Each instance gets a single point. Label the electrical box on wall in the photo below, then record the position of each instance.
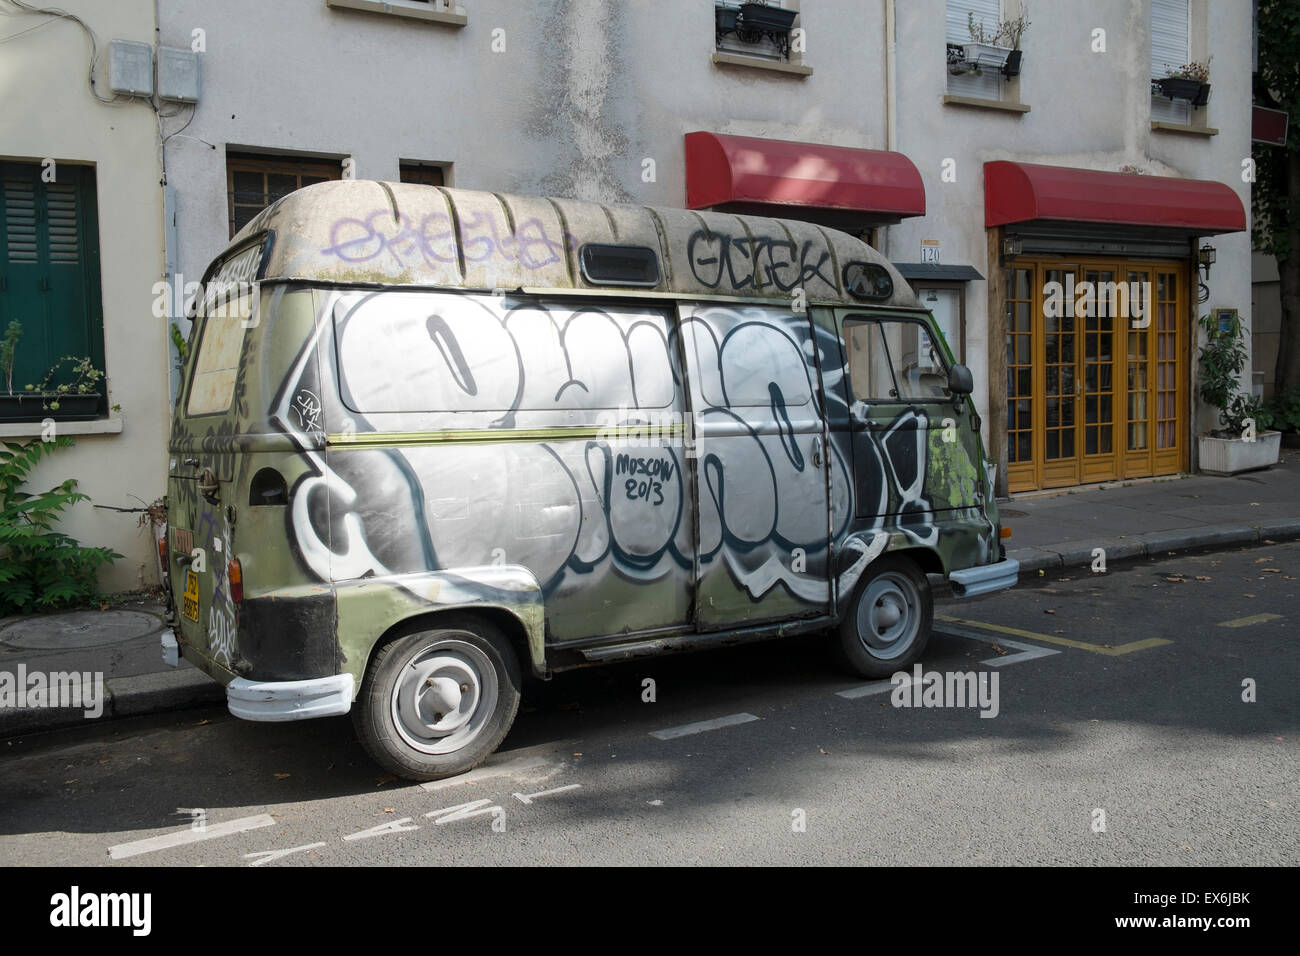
(178, 75)
(130, 67)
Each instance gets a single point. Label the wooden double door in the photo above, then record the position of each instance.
(1097, 377)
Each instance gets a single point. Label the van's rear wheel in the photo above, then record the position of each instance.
(888, 624)
(437, 702)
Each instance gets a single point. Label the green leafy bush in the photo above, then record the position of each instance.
(1284, 411)
(41, 569)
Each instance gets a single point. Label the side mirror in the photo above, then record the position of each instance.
(960, 381)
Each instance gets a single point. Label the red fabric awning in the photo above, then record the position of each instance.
(722, 170)
(1021, 192)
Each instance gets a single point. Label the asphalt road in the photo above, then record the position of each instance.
(1121, 737)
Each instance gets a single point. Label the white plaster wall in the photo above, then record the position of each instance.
(1090, 110)
(48, 111)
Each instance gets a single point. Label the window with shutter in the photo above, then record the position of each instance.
(49, 271)
(987, 86)
(1169, 50)
(254, 181)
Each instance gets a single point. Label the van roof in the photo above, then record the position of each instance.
(402, 233)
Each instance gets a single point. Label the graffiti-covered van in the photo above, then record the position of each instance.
(430, 442)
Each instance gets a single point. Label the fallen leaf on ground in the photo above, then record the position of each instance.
(1048, 610)
(1271, 570)
(386, 778)
(820, 751)
(1203, 577)
(202, 722)
(999, 649)
(283, 776)
(390, 809)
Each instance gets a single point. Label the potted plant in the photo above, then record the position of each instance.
(1245, 441)
(756, 20)
(1190, 82)
(74, 399)
(986, 47)
(14, 407)
(1010, 31)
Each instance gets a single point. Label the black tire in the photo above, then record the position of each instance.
(437, 702)
(887, 625)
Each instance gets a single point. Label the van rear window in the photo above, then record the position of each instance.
(217, 365)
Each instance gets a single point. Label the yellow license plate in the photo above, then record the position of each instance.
(190, 604)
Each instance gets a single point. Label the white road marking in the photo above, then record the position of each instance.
(1028, 652)
(169, 840)
(685, 730)
(392, 826)
(488, 772)
(527, 798)
(875, 687)
(268, 855)
(1247, 621)
(462, 811)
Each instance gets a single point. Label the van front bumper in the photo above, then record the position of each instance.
(985, 579)
(290, 700)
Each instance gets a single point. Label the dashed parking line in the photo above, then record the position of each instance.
(527, 798)
(488, 772)
(875, 687)
(266, 856)
(1028, 652)
(686, 730)
(168, 840)
(1247, 621)
(1108, 650)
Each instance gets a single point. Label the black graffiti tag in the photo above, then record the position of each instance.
(655, 470)
(743, 262)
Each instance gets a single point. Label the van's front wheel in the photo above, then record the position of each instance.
(888, 624)
(437, 702)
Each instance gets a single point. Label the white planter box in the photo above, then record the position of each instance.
(1227, 456)
(986, 55)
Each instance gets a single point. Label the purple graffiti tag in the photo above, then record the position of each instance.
(482, 238)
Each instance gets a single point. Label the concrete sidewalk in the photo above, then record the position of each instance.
(1133, 520)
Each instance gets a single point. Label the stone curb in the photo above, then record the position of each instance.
(124, 697)
(1154, 544)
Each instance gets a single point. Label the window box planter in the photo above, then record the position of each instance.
(1228, 456)
(725, 21)
(1179, 88)
(32, 407)
(754, 21)
(986, 55)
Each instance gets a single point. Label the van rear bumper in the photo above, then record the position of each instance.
(985, 579)
(291, 699)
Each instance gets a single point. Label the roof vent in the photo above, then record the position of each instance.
(619, 265)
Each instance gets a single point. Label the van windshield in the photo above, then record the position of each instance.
(894, 360)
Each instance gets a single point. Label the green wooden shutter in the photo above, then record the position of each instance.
(49, 268)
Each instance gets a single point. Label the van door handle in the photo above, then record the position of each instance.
(817, 451)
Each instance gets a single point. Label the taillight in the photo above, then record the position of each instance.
(235, 575)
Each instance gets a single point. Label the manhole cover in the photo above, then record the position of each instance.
(79, 629)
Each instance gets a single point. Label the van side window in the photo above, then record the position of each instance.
(216, 367)
(893, 360)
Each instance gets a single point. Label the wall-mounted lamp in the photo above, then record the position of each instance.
(1206, 257)
(1011, 247)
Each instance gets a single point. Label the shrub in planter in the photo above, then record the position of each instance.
(41, 568)
(1235, 446)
